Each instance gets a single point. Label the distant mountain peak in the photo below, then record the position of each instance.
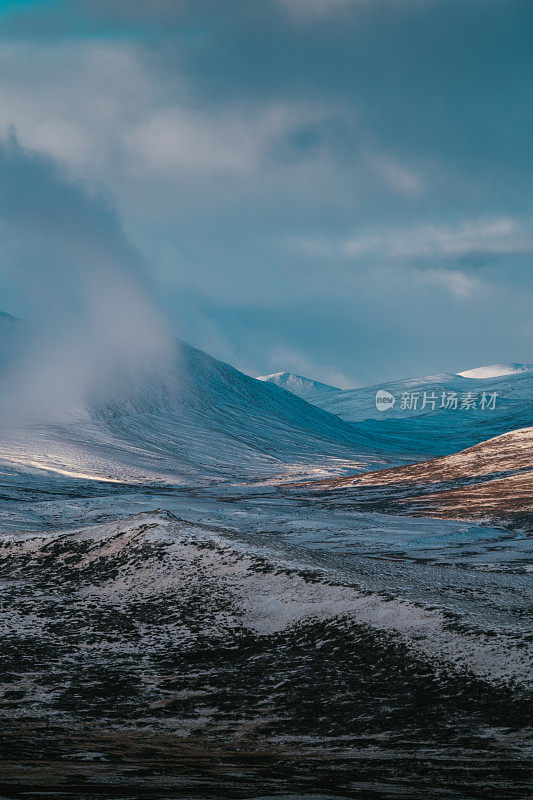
(305, 388)
(495, 370)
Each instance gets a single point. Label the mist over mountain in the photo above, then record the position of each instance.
(95, 325)
(202, 418)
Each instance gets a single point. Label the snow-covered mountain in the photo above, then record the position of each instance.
(495, 370)
(302, 387)
(210, 422)
(437, 414)
(207, 422)
(354, 405)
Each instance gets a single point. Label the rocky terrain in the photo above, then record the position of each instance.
(156, 657)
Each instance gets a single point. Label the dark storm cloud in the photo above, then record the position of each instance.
(362, 165)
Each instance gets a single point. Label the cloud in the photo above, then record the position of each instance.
(97, 334)
(458, 283)
(284, 358)
(182, 138)
(76, 100)
(106, 112)
(398, 177)
(163, 11)
(496, 236)
(224, 131)
(110, 112)
(316, 9)
(157, 15)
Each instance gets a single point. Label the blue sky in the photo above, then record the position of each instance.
(340, 188)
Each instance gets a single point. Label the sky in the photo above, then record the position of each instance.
(337, 188)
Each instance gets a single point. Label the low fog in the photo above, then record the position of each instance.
(93, 332)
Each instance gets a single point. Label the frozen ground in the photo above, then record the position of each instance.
(242, 645)
(253, 641)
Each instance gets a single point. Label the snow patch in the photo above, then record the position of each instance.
(495, 370)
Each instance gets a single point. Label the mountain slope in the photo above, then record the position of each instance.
(208, 421)
(490, 481)
(418, 423)
(354, 405)
(411, 427)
